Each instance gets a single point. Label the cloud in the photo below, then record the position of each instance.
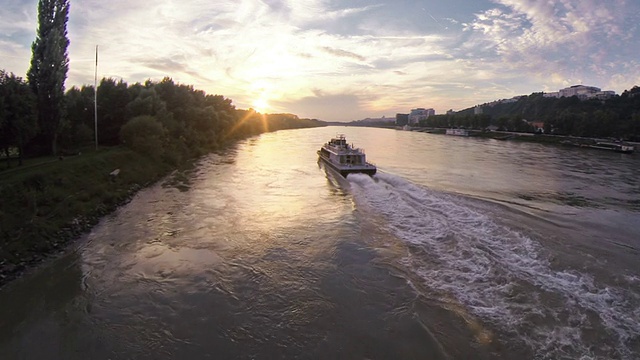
(316, 12)
(540, 38)
(18, 17)
(343, 53)
(525, 27)
(376, 58)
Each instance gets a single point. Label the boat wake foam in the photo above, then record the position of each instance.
(503, 275)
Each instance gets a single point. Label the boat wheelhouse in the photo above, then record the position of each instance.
(344, 158)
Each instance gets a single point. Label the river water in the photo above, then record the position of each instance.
(459, 248)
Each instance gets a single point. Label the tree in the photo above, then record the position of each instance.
(17, 120)
(145, 135)
(78, 129)
(49, 66)
(113, 97)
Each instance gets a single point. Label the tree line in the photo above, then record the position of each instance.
(618, 116)
(164, 118)
(159, 118)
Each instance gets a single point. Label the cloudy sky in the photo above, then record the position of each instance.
(345, 59)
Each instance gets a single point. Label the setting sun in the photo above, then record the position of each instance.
(260, 105)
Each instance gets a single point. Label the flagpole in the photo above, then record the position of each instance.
(95, 100)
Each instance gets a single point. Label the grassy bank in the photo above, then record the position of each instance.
(45, 206)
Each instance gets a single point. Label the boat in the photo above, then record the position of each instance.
(457, 132)
(617, 146)
(614, 146)
(344, 158)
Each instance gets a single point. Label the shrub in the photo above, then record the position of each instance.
(144, 134)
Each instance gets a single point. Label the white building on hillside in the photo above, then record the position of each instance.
(583, 92)
(579, 91)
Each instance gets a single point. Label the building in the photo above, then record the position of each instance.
(603, 95)
(420, 114)
(579, 91)
(538, 126)
(477, 110)
(582, 92)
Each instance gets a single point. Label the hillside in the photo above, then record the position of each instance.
(617, 117)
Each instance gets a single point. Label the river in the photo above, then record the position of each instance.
(458, 248)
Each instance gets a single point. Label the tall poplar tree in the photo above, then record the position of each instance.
(49, 66)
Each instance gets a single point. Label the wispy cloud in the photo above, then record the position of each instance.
(343, 53)
(556, 36)
(376, 59)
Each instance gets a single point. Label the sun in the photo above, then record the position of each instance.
(260, 105)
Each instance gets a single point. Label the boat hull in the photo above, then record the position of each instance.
(346, 170)
(617, 147)
(625, 149)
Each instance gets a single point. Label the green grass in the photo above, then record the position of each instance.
(46, 203)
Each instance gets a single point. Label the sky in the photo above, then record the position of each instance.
(344, 60)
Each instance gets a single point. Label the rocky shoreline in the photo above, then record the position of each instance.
(47, 208)
(60, 242)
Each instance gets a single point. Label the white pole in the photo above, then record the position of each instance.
(95, 99)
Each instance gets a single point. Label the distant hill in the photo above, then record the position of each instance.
(618, 116)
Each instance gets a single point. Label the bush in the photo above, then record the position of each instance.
(144, 134)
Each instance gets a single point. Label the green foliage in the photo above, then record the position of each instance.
(145, 135)
(78, 130)
(466, 120)
(17, 114)
(113, 98)
(192, 122)
(145, 102)
(49, 66)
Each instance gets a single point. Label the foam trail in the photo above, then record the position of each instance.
(502, 275)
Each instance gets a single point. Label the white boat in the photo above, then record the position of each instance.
(457, 132)
(614, 146)
(344, 158)
(617, 146)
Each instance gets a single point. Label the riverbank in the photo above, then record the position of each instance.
(502, 135)
(516, 136)
(46, 207)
